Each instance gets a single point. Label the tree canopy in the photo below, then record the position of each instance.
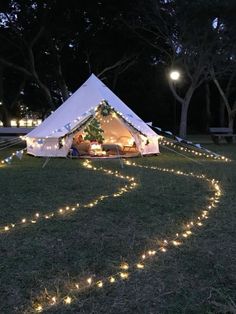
(49, 47)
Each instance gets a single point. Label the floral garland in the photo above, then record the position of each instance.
(105, 109)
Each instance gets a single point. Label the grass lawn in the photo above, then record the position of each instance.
(197, 277)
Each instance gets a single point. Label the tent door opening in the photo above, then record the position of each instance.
(105, 136)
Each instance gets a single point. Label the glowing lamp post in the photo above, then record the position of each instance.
(174, 76)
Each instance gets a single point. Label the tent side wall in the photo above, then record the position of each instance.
(48, 147)
(148, 144)
(152, 147)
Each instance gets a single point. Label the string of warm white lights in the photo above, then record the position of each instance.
(208, 154)
(48, 300)
(38, 216)
(105, 119)
(133, 121)
(72, 125)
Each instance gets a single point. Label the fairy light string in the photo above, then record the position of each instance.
(69, 209)
(95, 112)
(201, 153)
(177, 240)
(47, 300)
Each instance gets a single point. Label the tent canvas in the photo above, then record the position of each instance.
(54, 136)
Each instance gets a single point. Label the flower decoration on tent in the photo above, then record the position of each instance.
(105, 109)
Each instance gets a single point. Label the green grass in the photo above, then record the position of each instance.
(198, 277)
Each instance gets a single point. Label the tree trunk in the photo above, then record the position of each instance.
(46, 92)
(63, 87)
(1, 83)
(183, 120)
(231, 123)
(222, 114)
(6, 117)
(61, 81)
(184, 112)
(33, 75)
(208, 106)
(224, 98)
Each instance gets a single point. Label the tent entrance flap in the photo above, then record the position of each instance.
(116, 138)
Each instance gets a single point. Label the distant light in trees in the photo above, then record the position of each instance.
(174, 75)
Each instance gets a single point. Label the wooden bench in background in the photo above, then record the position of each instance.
(219, 133)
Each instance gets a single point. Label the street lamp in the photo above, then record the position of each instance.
(174, 76)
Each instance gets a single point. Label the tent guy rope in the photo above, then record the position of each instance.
(172, 150)
(167, 138)
(9, 140)
(13, 143)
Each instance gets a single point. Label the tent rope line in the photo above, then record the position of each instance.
(9, 140)
(11, 144)
(197, 152)
(48, 299)
(187, 157)
(181, 143)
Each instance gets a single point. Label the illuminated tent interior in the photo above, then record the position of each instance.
(93, 122)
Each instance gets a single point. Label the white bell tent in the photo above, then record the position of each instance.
(93, 100)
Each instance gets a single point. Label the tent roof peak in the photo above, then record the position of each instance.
(79, 105)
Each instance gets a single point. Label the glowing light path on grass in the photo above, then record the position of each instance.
(47, 300)
(38, 216)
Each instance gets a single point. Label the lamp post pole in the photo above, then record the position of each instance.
(174, 76)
